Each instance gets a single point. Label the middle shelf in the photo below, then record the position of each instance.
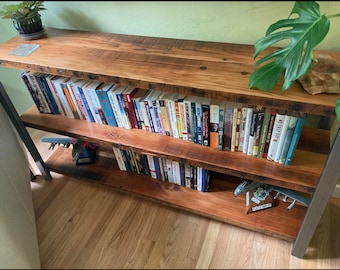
(302, 175)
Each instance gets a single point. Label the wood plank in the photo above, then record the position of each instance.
(302, 175)
(211, 69)
(231, 210)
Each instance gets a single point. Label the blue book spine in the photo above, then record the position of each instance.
(86, 104)
(295, 139)
(47, 93)
(31, 91)
(157, 168)
(106, 106)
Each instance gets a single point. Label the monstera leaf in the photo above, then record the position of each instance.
(303, 31)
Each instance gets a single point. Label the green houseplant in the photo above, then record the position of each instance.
(26, 18)
(304, 32)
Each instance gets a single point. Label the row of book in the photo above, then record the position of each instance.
(163, 169)
(226, 126)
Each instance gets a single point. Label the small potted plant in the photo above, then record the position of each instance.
(26, 18)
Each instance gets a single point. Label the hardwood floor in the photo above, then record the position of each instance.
(84, 225)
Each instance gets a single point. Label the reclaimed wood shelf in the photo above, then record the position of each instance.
(199, 68)
(302, 175)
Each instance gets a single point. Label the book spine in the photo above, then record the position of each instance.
(199, 178)
(47, 92)
(38, 91)
(242, 127)
(79, 114)
(152, 167)
(264, 131)
(57, 85)
(277, 128)
(119, 158)
(188, 120)
(126, 160)
(156, 116)
(124, 117)
(233, 129)
(169, 170)
(115, 107)
(251, 139)
(188, 176)
(269, 133)
(176, 172)
(178, 120)
(172, 116)
(32, 92)
(183, 120)
(69, 100)
(238, 128)
(79, 100)
(220, 128)
(258, 128)
(147, 105)
(138, 113)
(55, 94)
(106, 107)
(282, 137)
(193, 122)
(199, 123)
(295, 140)
(214, 125)
(227, 127)
(145, 116)
(127, 99)
(86, 105)
(166, 127)
(288, 138)
(247, 129)
(205, 124)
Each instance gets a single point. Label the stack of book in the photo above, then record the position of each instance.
(225, 126)
(163, 169)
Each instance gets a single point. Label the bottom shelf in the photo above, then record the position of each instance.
(219, 203)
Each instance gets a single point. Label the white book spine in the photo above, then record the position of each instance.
(278, 124)
(119, 158)
(282, 138)
(247, 130)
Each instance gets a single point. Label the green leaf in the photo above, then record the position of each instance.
(304, 32)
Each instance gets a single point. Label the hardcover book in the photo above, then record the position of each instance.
(295, 139)
(92, 99)
(274, 140)
(288, 138)
(205, 121)
(103, 97)
(214, 123)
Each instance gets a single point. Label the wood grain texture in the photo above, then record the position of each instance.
(302, 175)
(84, 225)
(210, 69)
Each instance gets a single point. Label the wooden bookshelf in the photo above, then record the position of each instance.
(199, 68)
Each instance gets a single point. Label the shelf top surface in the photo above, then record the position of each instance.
(214, 69)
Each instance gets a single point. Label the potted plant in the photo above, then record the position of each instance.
(304, 32)
(26, 18)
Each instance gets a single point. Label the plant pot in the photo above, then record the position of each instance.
(29, 27)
